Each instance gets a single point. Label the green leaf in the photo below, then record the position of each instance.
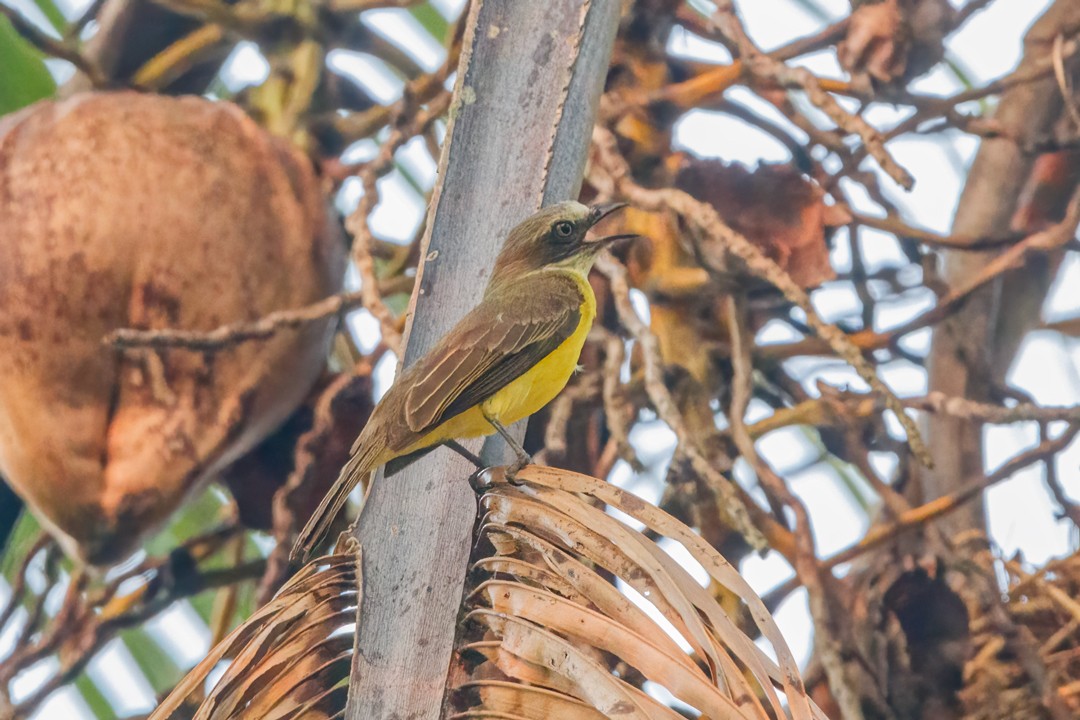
(94, 698)
(24, 79)
(22, 538)
(411, 180)
(432, 20)
(53, 14)
(156, 665)
(966, 77)
(198, 516)
(398, 303)
(203, 604)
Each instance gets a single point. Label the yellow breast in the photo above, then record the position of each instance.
(530, 392)
(539, 386)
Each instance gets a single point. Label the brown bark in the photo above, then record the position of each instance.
(527, 91)
(972, 350)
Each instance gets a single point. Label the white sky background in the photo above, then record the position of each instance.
(1048, 367)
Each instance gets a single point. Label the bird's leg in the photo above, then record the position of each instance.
(464, 452)
(523, 458)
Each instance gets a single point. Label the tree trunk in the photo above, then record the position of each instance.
(527, 90)
(972, 350)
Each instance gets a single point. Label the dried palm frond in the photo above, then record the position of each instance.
(551, 631)
(1034, 673)
(553, 634)
(291, 659)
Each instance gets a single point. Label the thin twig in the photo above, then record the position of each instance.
(898, 227)
(665, 405)
(407, 121)
(357, 222)
(615, 405)
(952, 501)
(1052, 239)
(53, 47)
(767, 67)
(1069, 508)
(823, 611)
(1064, 84)
(75, 27)
(820, 411)
(227, 335)
(923, 514)
(969, 9)
(611, 174)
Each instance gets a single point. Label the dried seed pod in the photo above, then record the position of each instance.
(128, 210)
(894, 40)
(776, 208)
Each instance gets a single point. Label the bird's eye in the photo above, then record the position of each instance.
(564, 230)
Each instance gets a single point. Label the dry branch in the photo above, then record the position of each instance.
(734, 507)
(612, 174)
(972, 349)
(52, 47)
(226, 335)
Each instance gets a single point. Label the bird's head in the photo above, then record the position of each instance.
(556, 236)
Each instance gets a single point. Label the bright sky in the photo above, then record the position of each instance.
(1048, 367)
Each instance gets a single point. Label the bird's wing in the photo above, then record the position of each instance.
(500, 340)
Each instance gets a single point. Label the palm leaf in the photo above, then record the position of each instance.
(549, 630)
(547, 612)
(289, 660)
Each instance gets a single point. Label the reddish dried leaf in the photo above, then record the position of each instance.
(1046, 195)
(775, 207)
(310, 449)
(877, 42)
(895, 40)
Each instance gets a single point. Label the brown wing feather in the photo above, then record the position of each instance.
(494, 344)
(500, 340)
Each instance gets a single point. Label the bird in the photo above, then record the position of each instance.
(505, 360)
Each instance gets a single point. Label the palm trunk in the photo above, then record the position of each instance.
(972, 350)
(528, 87)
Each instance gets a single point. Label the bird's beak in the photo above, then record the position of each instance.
(600, 211)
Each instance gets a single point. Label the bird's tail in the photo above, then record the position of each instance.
(319, 524)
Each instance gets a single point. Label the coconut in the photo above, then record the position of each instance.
(125, 210)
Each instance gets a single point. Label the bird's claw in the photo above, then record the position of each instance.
(480, 480)
(516, 467)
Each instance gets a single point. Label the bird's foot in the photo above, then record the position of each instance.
(517, 466)
(481, 480)
(523, 458)
(466, 453)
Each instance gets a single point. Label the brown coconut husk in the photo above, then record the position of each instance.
(128, 210)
